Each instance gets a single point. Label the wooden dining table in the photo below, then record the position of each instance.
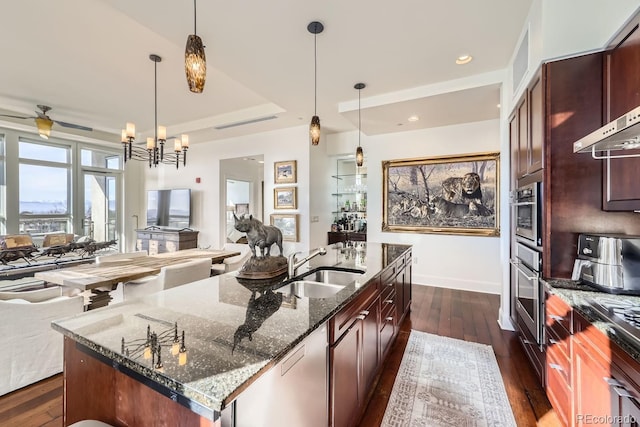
(90, 277)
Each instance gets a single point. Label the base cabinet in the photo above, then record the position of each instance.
(360, 336)
(589, 379)
(346, 357)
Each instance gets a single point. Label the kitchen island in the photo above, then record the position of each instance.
(216, 337)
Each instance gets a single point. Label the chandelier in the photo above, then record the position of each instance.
(154, 153)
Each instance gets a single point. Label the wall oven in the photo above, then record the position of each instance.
(528, 213)
(529, 298)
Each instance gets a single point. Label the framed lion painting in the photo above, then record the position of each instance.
(445, 195)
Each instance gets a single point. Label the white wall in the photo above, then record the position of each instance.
(203, 161)
(461, 262)
(559, 29)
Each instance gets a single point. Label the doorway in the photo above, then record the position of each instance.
(241, 193)
(100, 206)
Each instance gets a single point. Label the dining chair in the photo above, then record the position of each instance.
(232, 263)
(170, 276)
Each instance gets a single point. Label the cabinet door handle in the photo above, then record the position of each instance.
(556, 367)
(388, 301)
(390, 284)
(365, 312)
(389, 319)
(361, 317)
(552, 341)
(557, 318)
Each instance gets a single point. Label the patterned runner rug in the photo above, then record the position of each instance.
(448, 382)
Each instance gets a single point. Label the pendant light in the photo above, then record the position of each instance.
(359, 152)
(315, 28)
(195, 61)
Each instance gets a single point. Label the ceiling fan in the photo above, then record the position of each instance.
(44, 122)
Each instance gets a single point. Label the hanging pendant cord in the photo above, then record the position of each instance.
(155, 103)
(359, 131)
(195, 14)
(315, 75)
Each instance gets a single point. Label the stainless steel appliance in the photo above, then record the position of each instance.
(528, 213)
(529, 299)
(619, 134)
(610, 263)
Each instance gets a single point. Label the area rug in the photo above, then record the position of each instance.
(448, 382)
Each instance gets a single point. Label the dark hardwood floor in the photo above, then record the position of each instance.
(469, 316)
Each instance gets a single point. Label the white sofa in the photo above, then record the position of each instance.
(31, 349)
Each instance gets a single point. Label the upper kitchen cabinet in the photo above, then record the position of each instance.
(571, 183)
(622, 94)
(526, 127)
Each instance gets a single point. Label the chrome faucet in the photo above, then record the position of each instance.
(293, 264)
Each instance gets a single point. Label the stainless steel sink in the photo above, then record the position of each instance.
(310, 289)
(323, 283)
(333, 277)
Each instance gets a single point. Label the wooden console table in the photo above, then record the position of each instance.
(157, 241)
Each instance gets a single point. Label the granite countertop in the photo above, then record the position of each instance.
(579, 296)
(232, 334)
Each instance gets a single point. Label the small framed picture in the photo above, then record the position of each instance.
(288, 225)
(285, 198)
(285, 172)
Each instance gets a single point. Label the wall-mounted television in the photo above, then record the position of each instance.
(169, 208)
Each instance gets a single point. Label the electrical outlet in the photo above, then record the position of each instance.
(315, 219)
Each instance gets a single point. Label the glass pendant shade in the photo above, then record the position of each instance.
(314, 130)
(44, 127)
(195, 63)
(359, 156)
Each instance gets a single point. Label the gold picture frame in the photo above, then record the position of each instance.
(288, 225)
(285, 172)
(442, 195)
(285, 198)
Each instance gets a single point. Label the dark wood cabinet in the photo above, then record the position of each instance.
(558, 356)
(345, 236)
(346, 371)
(535, 147)
(360, 336)
(370, 347)
(591, 369)
(160, 241)
(622, 94)
(526, 131)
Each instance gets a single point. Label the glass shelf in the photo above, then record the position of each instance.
(350, 175)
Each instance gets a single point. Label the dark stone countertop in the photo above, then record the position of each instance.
(217, 315)
(580, 296)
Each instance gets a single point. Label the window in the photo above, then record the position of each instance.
(49, 187)
(44, 188)
(99, 159)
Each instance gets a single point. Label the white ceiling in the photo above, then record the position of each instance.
(89, 60)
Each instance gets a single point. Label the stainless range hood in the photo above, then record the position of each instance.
(620, 134)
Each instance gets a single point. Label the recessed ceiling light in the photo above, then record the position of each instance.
(413, 118)
(498, 105)
(463, 59)
(260, 161)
